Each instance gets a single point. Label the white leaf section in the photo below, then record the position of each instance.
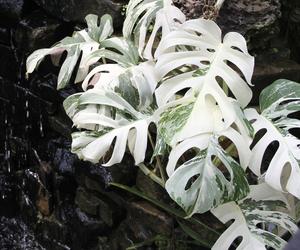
(82, 43)
(209, 186)
(127, 127)
(211, 57)
(140, 15)
(251, 215)
(277, 101)
(283, 172)
(210, 54)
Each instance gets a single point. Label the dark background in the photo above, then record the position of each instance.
(48, 198)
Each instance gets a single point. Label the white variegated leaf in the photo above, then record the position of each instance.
(82, 42)
(141, 14)
(117, 49)
(209, 187)
(252, 217)
(278, 101)
(210, 56)
(136, 83)
(188, 119)
(118, 126)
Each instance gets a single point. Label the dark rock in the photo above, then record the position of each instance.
(61, 124)
(5, 35)
(196, 8)
(75, 11)
(266, 72)
(97, 206)
(143, 223)
(63, 159)
(151, 188)
(15, 235)
(8, 198)
(9, 68)
(10, 11)
(256, 19)
(124, 173)
(151, 217)
(36, 31)
(294, 31)
(82, 228)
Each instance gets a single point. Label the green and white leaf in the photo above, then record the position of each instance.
(144, 17)
(210, 104)
(277, 101)
(82, 42)
(209, 187)
(120, 127)
(260, 206)
(136, 83)
(117, 49)
(182, 119)
(210, 55)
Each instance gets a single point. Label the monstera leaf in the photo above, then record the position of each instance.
(140, 15)
(137, 81)
(254, 217)
(117, 49)
(277, 102)
(118, 126)
(209, 61)
(199, 184)
(117, 113)
(82, 43)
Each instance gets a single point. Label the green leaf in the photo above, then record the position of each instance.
(198, 185)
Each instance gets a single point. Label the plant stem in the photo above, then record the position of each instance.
(159, 164)
(219, 4)
(151, 175)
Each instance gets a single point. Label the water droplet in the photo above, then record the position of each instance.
(41, 126)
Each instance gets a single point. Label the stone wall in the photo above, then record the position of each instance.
(51, 200)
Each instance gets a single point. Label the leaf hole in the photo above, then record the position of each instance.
(285, 175)
(191, 181)
(260, 134)
(188, 155)
(236, 48)
(229, 147)
(219, 164)
(236, 243)
(235, 68)
(211, 50)
(75, 70)
(268, 156)
(223, 85)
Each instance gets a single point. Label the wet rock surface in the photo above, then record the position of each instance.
(15, 235)
(49, 199)
(75, 11)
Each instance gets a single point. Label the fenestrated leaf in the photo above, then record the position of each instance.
(260, 206)
(125, 125)
(141, 14)
(82, 42)
(117, 49)
(212, 109)
(136, 84)
(209, 187)
(278, 101)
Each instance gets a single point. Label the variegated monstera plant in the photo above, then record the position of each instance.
(182, 87)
